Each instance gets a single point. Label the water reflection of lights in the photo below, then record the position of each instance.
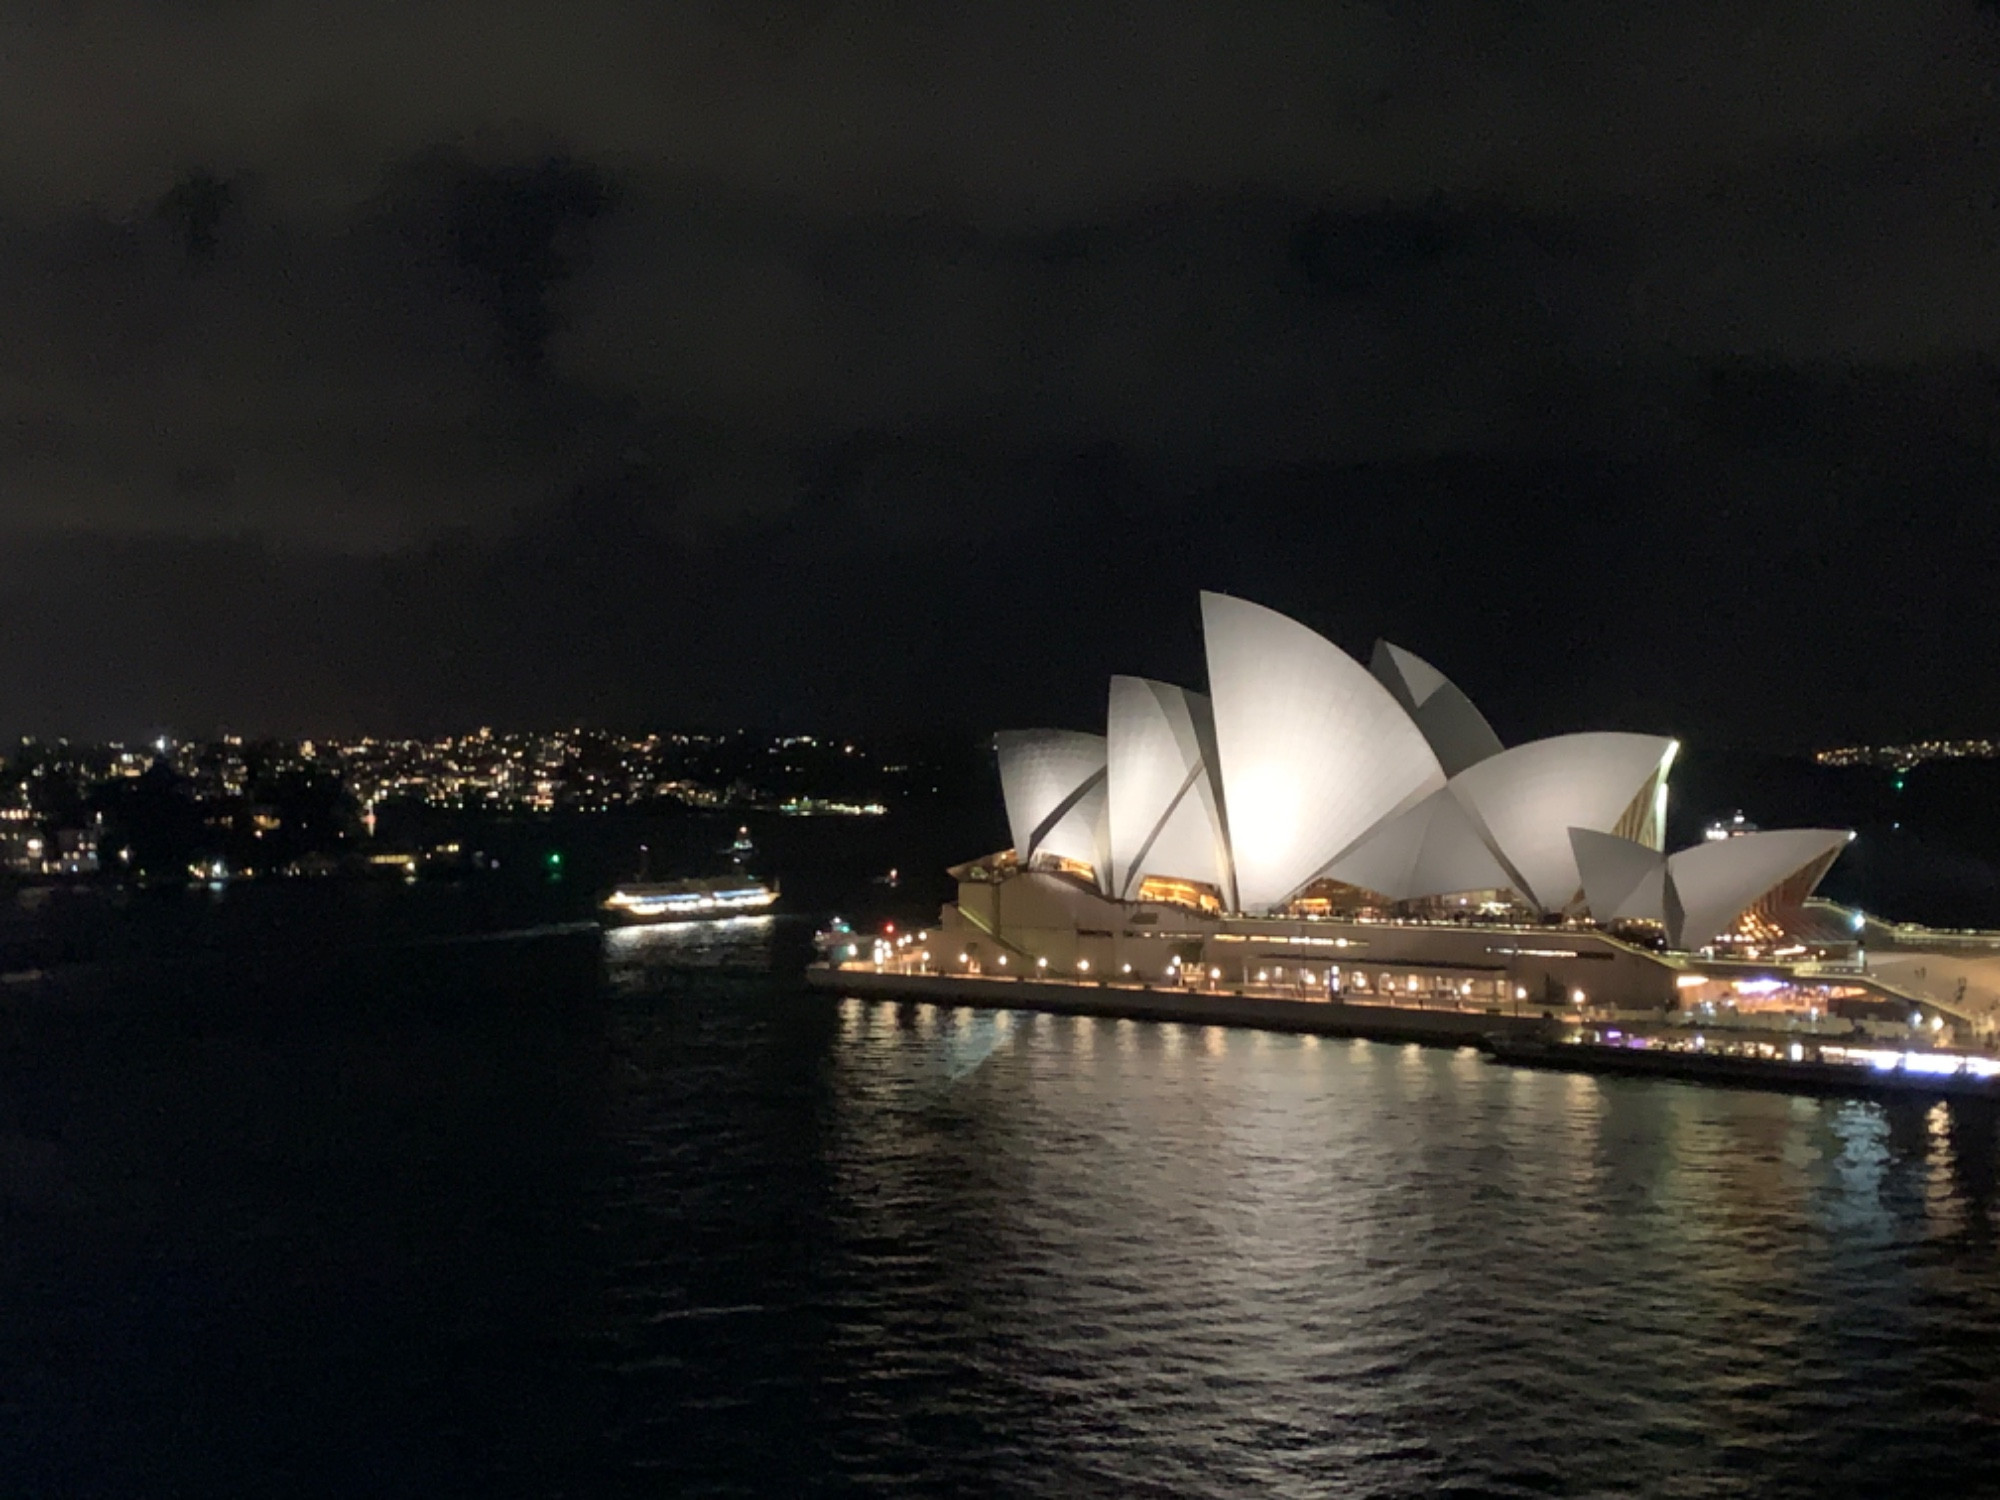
(1939, 1121)
(635, 958)
(685, 934)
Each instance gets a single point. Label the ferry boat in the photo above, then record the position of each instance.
(711, 898)
(702, 899)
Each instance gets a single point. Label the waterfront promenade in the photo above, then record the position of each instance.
(1433, 1025)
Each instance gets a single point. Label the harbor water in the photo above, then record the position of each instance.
(673, 1225)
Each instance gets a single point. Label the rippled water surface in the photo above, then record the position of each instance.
(706, 1234)
(906, 1249)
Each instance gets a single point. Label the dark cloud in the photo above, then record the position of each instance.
(518, 234)
(732, 361)
(194, 208)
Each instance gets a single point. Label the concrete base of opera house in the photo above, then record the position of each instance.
(1432, 1026)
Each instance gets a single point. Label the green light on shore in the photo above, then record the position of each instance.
(555, 859)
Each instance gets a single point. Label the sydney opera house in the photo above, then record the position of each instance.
(1320, 826)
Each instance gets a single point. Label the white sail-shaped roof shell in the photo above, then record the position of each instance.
(1165, 816)
(1053, 783)
(1082, 832)
(1313, 751)
(1716, 882)
(1505, 823)
(1529, 798)
(1622, 880)
(1699, 893)
(1457, 731)
(1432, 849)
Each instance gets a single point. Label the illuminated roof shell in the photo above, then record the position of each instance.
(1700, 893)
(1505, 823)
(1715, 882)
(1432, 849)
(1528, 799)
(1456, 731)
(1622, 880)
(1165, 814)
(1053, 783)
(1313, 751)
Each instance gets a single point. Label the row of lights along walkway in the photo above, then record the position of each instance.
(906, 954)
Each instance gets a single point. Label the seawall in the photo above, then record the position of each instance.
(1382, 1023)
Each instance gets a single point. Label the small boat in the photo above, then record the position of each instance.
(838, 942)
(702, 899)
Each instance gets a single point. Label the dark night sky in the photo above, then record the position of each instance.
(802, 362)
